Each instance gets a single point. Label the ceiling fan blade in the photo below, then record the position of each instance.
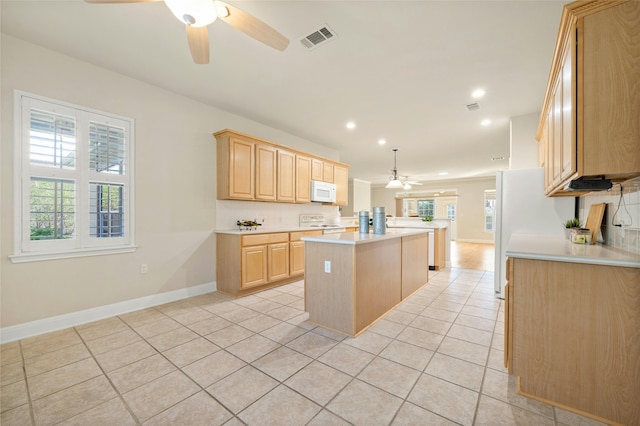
(120, 1)
(198, 38)
(253, 27)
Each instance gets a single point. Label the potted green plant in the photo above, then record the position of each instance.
(570, 224)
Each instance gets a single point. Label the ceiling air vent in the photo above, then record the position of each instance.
(318, 37)
(473, 107)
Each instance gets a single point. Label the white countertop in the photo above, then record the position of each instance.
(418, 226)
(401, 222)
(262, 230)
(357, 238)
(557, 248)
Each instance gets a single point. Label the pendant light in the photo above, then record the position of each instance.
(394, 182)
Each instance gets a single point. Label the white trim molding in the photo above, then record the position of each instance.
(59, 322)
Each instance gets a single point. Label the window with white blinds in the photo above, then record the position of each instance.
(74, 180)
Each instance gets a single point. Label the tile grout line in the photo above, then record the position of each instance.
(484, 371)
(441, 291)
(106, 376)
(32, 413)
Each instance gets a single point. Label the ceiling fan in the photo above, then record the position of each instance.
(395, 181)
(406, 183)
(197, 14)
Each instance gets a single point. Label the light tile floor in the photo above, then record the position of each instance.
(436, 359)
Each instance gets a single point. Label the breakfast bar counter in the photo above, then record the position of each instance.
(352, 279)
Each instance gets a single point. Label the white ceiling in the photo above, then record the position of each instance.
(402, 70)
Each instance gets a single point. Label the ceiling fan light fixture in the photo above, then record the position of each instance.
(394, 184)
(406, 186)
(196, 13)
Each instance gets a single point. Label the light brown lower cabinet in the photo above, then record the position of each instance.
(246, 264)
(439, 248)
(254, 266)
(296, 251)
(572, 336)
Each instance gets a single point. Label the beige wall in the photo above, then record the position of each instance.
(470, 206)
(175, 188)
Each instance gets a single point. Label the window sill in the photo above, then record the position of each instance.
(98, 251)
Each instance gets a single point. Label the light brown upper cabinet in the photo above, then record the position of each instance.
(317, 169)
(341, 179)
(286, 176)
(236, 167)
(303, 179)
(589, 125)
(327, 172)
(322, 170)
(265, 173)
(249, 168)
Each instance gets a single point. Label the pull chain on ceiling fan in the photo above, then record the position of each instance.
(197, 14)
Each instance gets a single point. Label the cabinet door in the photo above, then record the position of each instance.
(265, 173)
(303, 179)
(439, 249)
(278, 261)
(341, 179)
(556, 128)
(569, 142)
(254, 266)
(327, 172)
(508, 329)
(316, 169)
(544, 154)
(286, 176)
(296, 255)
(241, 166)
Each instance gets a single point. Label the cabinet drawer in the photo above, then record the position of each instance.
(254, 240)
(295, 236)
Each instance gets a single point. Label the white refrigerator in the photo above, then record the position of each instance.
(522, 208)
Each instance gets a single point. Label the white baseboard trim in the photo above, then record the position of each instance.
(59, 322)
(465, 240)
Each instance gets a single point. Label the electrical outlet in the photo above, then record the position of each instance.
(144, 268)
(327, 266)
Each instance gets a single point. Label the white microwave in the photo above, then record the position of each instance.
(323, 192)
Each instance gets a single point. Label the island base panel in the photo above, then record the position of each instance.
(378, 280)
(329, 296)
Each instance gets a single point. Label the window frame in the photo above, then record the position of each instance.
(431, 207)
(27, 250)
(489, 195)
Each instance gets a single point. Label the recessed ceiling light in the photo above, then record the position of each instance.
(478, 93)
(351, 125)
(381, 141)
(443, 173)
(485, 122)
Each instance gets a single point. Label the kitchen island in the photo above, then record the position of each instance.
(439, 238)
(572, 326)
(353, 279)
